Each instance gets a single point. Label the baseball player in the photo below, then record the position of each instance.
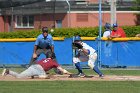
(43, 44)
(107, 32)
(39, 69)
(85, 53)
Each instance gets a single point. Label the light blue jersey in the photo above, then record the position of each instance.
(42, 42)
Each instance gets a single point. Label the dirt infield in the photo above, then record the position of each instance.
(66, 78)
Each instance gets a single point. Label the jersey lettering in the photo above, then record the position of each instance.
(46, 60)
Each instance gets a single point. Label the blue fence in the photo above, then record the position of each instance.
(121, 53)
(113, 53)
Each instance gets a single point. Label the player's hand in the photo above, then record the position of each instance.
(66, 72)
(44, 76)
(69, 73)
(109, 38)
(34, 55)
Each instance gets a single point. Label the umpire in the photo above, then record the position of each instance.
(43, 44)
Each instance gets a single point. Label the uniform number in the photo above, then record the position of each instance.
(46, 60)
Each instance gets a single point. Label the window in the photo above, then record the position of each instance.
(24, 21)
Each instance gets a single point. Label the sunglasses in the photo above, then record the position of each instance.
(45, 31)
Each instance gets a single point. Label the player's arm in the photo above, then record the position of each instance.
(35, 48)
(123, 33)
(51, 43)
(64, 71)
(52, 48)
(43, 76)
(115, 36)
(34, 51)
(86, 51)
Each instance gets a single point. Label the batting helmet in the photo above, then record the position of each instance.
(45, 29)
(115, 25)
(77, 38)
(107, 26)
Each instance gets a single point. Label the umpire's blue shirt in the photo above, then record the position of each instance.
(42, 42)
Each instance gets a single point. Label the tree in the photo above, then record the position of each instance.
(137, 7)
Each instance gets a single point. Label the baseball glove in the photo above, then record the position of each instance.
(77, 45)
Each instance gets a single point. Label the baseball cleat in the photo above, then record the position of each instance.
(32, 77)
(5, 72)
(101, 76)
(81, 74)
(77, 75)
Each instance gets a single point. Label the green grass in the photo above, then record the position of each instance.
(70, 87)
(118, 72)
(74, 86)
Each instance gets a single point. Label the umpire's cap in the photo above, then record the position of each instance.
(107, 26)
(77, 38)
(45, 29)
(115, 25)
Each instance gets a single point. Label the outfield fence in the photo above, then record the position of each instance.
(118, 52)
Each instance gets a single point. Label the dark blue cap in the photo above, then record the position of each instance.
(77, 38)
(115, 25)
(107, 26)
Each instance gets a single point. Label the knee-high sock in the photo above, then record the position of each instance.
(96, 69)
(78, 67)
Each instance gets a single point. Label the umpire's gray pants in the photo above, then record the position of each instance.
(46, 52)
(33, 70)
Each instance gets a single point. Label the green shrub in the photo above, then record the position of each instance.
(130, 31)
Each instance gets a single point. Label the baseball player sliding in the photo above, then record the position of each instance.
(39, 69)
(85, 53)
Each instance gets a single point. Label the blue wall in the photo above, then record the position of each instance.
(121, 53)
(113, 53)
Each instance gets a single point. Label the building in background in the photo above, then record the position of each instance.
(63, 14)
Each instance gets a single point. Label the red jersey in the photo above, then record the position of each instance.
(48, 64)
(119, 31)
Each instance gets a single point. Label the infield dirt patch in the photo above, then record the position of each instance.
(66, 77)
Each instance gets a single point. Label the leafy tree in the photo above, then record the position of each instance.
(137, 7)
